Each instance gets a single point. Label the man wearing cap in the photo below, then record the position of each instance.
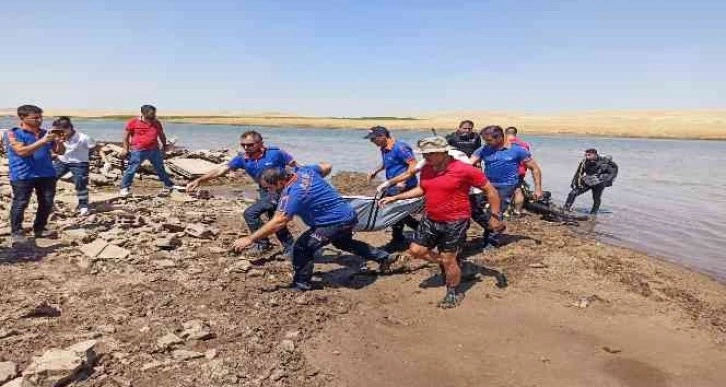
(397, 158)
(256, 158)
(141, 142)
(594, 173)
(445, 184)
(331, 219)
(476, 196)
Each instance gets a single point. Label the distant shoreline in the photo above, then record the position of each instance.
(677, 124)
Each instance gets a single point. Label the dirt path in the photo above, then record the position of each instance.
(615, 318)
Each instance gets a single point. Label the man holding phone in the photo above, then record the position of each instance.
(29, 150)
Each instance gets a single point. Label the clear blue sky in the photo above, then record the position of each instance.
(369, 57)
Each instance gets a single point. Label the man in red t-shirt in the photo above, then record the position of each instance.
(141, 142)
(445, 184)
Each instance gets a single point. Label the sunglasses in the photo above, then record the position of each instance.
(248, 144)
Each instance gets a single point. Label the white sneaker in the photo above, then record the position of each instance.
(83, 211)
(124, 192)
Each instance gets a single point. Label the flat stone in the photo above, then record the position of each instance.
(168, 341)
(164, 263)
(196, 330)
(8, 370)
(184, 355)
(112, 251)
(199, 230)
(168, 242)
(78, 235)
(190, 168)
(211, 354)
(287, 345)
(59, 366)
(4, 332)
(241, 266)
(93, 249)
(17, 382)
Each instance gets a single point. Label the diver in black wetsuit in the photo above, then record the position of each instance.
(594, 173)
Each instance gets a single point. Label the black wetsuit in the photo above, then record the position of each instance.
(592, 175)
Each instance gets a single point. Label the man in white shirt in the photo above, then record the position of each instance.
(75, 159)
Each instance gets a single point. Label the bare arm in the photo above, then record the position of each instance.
(275, 224)
(213, 174)
(410, 194)
(375, 172)
(325, 168)
(127, 141)
(27, 150)
(162, 138)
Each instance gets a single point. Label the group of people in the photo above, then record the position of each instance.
(450, 178)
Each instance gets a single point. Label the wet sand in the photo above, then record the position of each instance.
(576, 311)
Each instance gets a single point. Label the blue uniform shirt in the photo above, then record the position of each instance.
(501, 165)
(396, 157)
(310, 197)
(272, 157)
(37, 165)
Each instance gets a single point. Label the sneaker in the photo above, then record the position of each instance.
(43, 234)
(300, 287)
(451, 300)
(18, 239)
(83, 211)
(124, 193)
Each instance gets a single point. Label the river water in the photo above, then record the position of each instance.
(669, 198)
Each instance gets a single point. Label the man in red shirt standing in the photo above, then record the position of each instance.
(445, 184)
(141, 142)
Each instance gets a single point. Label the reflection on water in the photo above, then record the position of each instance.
(669, 198)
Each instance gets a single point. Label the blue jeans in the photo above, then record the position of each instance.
(80, 179)
(156, 157)
(266, 204)
(506, 194)
(340, 235)
(44, 188)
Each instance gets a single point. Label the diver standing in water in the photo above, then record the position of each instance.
(594, 173)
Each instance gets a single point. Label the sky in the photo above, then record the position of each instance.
(363, 58)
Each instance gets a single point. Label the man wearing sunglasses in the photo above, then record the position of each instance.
(255, 158)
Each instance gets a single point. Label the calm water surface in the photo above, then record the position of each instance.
(669, 198)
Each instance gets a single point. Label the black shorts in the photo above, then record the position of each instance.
(447, 236)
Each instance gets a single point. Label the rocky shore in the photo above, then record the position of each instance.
(145, 292)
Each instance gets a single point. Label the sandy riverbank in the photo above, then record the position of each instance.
(686, 124)
(576, 311)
